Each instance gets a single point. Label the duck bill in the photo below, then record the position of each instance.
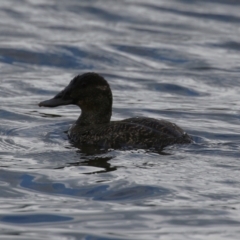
(59, 100)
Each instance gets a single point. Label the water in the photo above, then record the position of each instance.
(176, 60)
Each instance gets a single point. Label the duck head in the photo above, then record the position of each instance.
(89, 91)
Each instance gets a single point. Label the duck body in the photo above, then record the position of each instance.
(93, 95)
(136, 132)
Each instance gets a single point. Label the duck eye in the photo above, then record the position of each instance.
(83, 85)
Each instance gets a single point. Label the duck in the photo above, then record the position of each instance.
(92, 94)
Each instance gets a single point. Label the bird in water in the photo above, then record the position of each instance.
(92, 93)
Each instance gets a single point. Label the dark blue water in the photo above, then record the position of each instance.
(173, 60)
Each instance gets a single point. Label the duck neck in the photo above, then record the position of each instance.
(94, 117)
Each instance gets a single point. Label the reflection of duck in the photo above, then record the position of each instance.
(93, 95)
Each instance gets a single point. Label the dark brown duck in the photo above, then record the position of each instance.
(91, 92)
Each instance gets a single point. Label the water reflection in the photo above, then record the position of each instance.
(98, 161)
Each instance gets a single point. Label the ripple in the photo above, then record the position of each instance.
(133, 193)
(62, 60)
(33, 219)
(10, 144)
(194, 14)
(175, 89)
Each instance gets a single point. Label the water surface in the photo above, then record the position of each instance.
(176, 60)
